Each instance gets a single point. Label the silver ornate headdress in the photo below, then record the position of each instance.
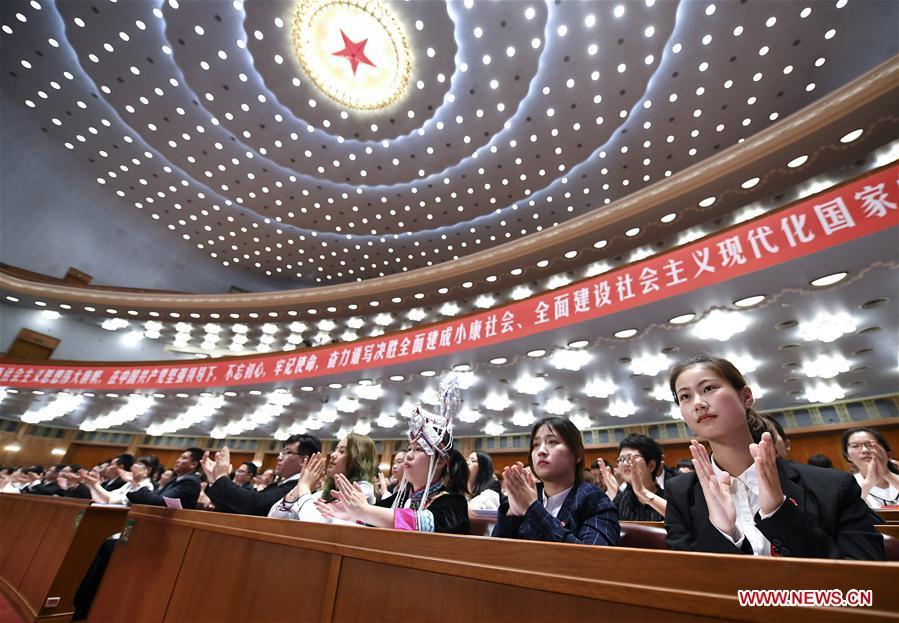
(434, 431)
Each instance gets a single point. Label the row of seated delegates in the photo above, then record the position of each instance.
(550, 501)
(746, 500)
(354, 458)
(138, 477)
(870, 457)
(231, 497)
(182, 490)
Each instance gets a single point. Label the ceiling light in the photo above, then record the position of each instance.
(523, 418)
(50, 314)
(721, 325)
(485, 301)
(369, 392)
(851, 136)
(707, 202)
(416, 314)
(497, 402)
(682, 319)
(649, 364)
(386, 420)
(427, 373)
(824, 393)
(558, 406)
(578, 344)
(622, 408)
(397, 377)
(625, 333)
(827, 327)
(600, 388)
(494, 428)
(449, 309)
(572, 360)
(498, 361)
(828, 280)
(521, 292)
(826, 366)
(536, 353)
(749, 301)
(527, 384)
(469, 416)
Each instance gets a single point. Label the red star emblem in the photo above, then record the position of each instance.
(354, 52)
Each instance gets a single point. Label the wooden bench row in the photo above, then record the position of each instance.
(177, 565)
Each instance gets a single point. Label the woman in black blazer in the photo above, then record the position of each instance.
(744, 500)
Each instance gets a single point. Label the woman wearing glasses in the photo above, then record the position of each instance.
(870, 457)
(743, 499)
(639, 461)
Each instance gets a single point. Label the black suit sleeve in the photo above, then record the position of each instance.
(685, 535)
(795, 534)
(450, 514)
(507, 526)
(186, 490)
(232, 498)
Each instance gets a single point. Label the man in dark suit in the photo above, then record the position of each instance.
(185, 486)
(112, 479)
(48, 484)
(822, 516)
(243, 475)
(232, 498)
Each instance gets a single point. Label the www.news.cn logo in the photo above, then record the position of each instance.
(821, 598)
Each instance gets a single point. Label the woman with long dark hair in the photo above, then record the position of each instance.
(561, 507)
(483, 487)
(745, 500)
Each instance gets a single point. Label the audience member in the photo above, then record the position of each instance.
(265, 480)
(869, 456)
(643, 499)
(185, 487)
(387, 486)
(778, 435)
(483, 487)
(70, 485)
(232, 498)
(820, 460)
(354, 457)
(744, 500)
(165, 478)
(561, 507)
(684, 466)
(48, 484)
(112, 476)
(140, 479)
(243, 476)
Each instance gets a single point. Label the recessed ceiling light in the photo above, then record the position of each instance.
(848, 138)
(578, 344)
(600, 244)
(462, 367)
(335, 385)
(625, 333)
(682, 319)
(749, 301)
(397, 377)
(498, 361)
(828, 280)
(536, 353)
(427, 373)
(750, 183)
(668, 217)
(707, 202)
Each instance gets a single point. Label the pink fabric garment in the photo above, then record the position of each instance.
(404, 519)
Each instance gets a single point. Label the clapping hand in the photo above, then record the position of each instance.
(722, 512)
(312, 472)
(125, 475)
(521, 487)
(90, 479)
(609, 479)
(771, 495)
(349, 505)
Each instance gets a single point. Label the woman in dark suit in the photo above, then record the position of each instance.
(561, 507)
(744, 500)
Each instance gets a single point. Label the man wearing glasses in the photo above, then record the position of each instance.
(232, 498)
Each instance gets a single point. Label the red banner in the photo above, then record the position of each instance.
(847, 213)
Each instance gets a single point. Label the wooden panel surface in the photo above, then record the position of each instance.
(622, 581)
(141, 574)
(364, 585)
(88, 455)
(287, 582)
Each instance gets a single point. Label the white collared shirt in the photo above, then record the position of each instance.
(744, 489)
(660, 479)
(553, 503)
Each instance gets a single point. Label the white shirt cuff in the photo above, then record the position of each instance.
(736, 539)
(771, 514)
